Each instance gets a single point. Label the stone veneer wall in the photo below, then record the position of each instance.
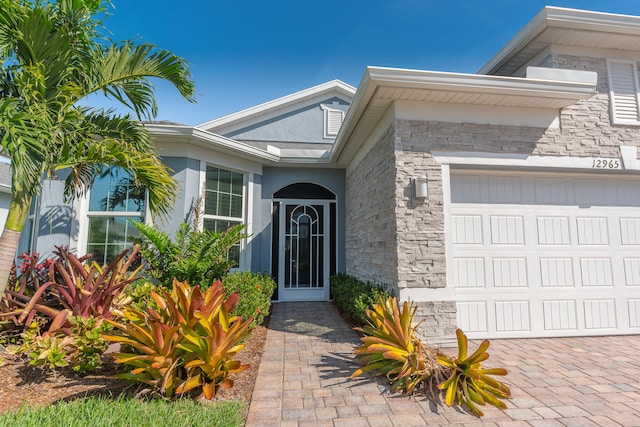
(585, 130)
(371, 251)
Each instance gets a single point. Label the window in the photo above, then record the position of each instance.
(332, 121)
(623, 87)
(223, 205)
(114, 201)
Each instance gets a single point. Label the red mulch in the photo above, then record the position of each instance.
(20, 382)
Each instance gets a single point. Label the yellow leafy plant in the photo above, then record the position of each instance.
(187, 343)
(390, 346)
(470, 383)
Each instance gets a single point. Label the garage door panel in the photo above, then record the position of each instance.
(596, 272)
(510, 272)
(507, 230)
(560, 315)
(556, 272)
(630, 231)
(467, 229)
(600, 314)
(560, 259)
(632, 271)
(634, 313)
(472, 316)
(553, 230)
(512, 316)
(468, 273)
(592, 231)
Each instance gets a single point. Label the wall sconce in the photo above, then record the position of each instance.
(420, 189)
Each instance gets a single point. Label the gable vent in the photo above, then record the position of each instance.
(623, 86)
(332, 121)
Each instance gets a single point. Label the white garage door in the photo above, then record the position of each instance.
(544, 255)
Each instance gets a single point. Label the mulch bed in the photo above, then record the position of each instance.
(20, 382)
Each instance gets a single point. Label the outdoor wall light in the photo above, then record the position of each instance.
(420, 190)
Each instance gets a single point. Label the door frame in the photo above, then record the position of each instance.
(304, 294)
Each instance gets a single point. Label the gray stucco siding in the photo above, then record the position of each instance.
(304, 125)
(186, 172)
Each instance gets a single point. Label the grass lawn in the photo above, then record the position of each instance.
(122, 411)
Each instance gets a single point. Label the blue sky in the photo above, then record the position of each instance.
(242, 53)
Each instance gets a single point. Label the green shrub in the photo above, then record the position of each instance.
(354, 296)
(254, 290)
(198, 257)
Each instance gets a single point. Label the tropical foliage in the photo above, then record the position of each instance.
(53, 54)
(391, 348)
(187, 344)
(255, 292)
(194, 256)
(354, 296)
(469, 383)
(70, 287)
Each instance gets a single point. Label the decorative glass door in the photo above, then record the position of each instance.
(304, 242)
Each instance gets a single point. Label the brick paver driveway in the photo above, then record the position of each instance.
(303, 380)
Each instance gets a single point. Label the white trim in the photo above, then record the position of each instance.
(523, 160)
(245, 258)
(614, 98)
(295, 98)
(363, 115)
(328, 132)
(598, 23)
(310, 294)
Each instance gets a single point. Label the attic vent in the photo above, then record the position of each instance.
(332, 121)
(623, 86)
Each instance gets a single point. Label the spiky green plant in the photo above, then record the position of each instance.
(469, 382)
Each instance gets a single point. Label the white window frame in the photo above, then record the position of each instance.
(328, 131)
(243, 258)
(614, 99)
(86, 214)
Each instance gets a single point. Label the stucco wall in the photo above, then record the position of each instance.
(371, 246)
(304, 125)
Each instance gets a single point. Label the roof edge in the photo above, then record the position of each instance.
(561, 17)
(346, 89)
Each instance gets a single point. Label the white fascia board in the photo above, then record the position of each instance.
(524, 161)
(191, 134)
(272, 155)
(376, 77)
(476, 83)
(335, 85)
(5, 188)
(560, 17)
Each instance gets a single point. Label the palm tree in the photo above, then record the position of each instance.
(52, 56)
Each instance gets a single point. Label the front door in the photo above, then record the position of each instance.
(303, 270)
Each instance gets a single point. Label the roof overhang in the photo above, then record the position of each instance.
(271, 156)
(568, 27)
(380, 87)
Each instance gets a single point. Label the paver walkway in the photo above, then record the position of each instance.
(303, 380)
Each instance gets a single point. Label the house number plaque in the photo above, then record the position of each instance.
(605, 164)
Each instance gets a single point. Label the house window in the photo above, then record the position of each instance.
(114, 201)
(223, 205)
(332, 121)
(624, 92)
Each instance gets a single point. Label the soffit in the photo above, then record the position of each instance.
(565, 27)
